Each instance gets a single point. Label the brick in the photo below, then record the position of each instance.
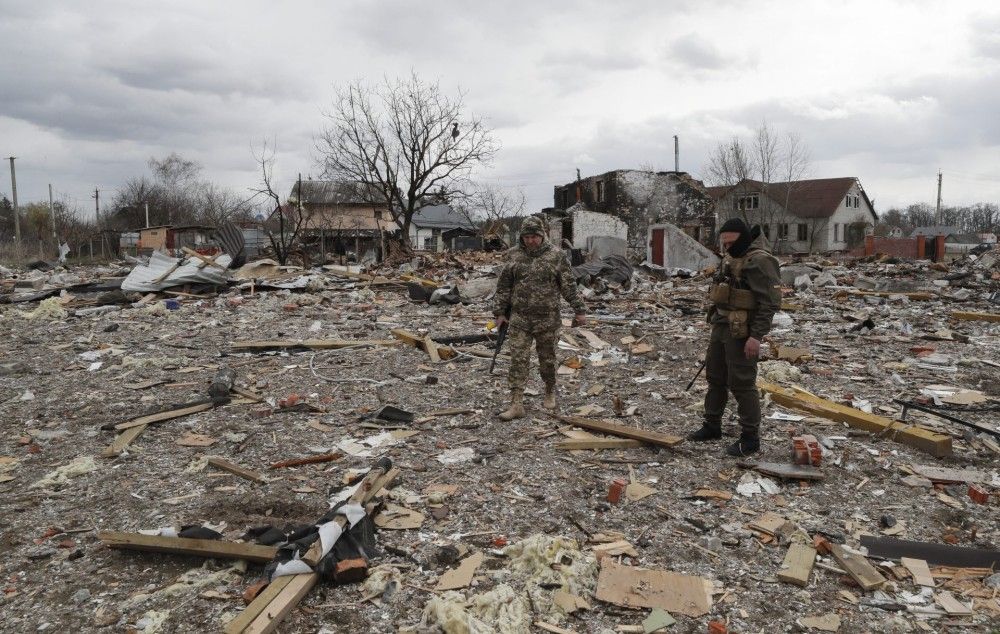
(350, 570)
(978, 494)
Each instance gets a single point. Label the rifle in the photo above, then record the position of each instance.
(697, 374)
(501, 336)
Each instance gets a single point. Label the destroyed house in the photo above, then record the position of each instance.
(440, 227)
(641, 198)
(172, 239)
(342, 218)
(805, 216)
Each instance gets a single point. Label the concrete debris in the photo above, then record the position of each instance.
(365, 370)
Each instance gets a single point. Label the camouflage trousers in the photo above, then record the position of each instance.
(544, 330)
(728, 370)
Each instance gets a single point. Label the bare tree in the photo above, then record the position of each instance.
(491, 209)
(406, 141)
(756, 166)
(288, 220)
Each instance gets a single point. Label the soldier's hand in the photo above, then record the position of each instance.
(579, 320)
(751, 348)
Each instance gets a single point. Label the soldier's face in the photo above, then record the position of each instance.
(727, 238)
(532, 241)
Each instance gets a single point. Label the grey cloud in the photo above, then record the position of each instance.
(986, 36)
(695, 54)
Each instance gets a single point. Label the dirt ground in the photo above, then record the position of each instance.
(55, 575)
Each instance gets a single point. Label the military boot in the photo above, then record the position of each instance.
(550, 397)
(516, 409)
(745, 446)
(706, 432)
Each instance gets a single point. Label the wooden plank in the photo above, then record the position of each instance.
(206, 260)
(917, 437)
(609, 427)
(408, 337)
(283, 604)
(159, 417)
(600, 443)
(798, 564)
(184, 546)
(258, 605)
(785, 471)
(951, 605)
(919, 570)
(934, 554)
(122, 441)
(970, 316)
(857, 567)
(235, 469)
(432, 349)
(307, 344)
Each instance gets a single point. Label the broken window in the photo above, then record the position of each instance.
(836, 232)
(803, 231)
(600, 191)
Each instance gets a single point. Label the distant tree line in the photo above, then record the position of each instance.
(977, 218)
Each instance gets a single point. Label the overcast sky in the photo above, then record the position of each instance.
(887, 91)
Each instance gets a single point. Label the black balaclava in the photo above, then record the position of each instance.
(742, 244)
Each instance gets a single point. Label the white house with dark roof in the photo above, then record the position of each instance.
(801, 216)
(435, 226)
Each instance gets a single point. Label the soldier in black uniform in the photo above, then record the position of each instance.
(742, 302)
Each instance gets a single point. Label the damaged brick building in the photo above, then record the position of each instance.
(641, 198)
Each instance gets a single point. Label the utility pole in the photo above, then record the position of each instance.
(677, 154)
(52, 215)
(937, 211)
(146, 205)
(97, 218)
(13, 193)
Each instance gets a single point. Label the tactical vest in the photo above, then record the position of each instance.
(728, 298)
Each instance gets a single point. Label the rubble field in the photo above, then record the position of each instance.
(492, 526)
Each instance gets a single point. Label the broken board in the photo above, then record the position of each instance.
(919, 570)
(798, 564)
(184, 546)
(932, 442)
(235, 469)
(865, 574)
(599, 443)
(609, 427)
(632, 587)
(786, 471)
(969, 316)
(461, 577)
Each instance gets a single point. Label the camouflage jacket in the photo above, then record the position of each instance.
(531, 282)
(758, 272)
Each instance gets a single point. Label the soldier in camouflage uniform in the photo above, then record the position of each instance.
(533, 278)
(742, 302)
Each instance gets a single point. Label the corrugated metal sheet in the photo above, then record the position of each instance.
(175, 272)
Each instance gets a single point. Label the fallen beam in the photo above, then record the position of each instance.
(917, 437)
(934, 554)
(968, 316)
(609, 427)
(235, 469)
(434, 351)
(308, 344)
(184, 546)
(159, 417)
